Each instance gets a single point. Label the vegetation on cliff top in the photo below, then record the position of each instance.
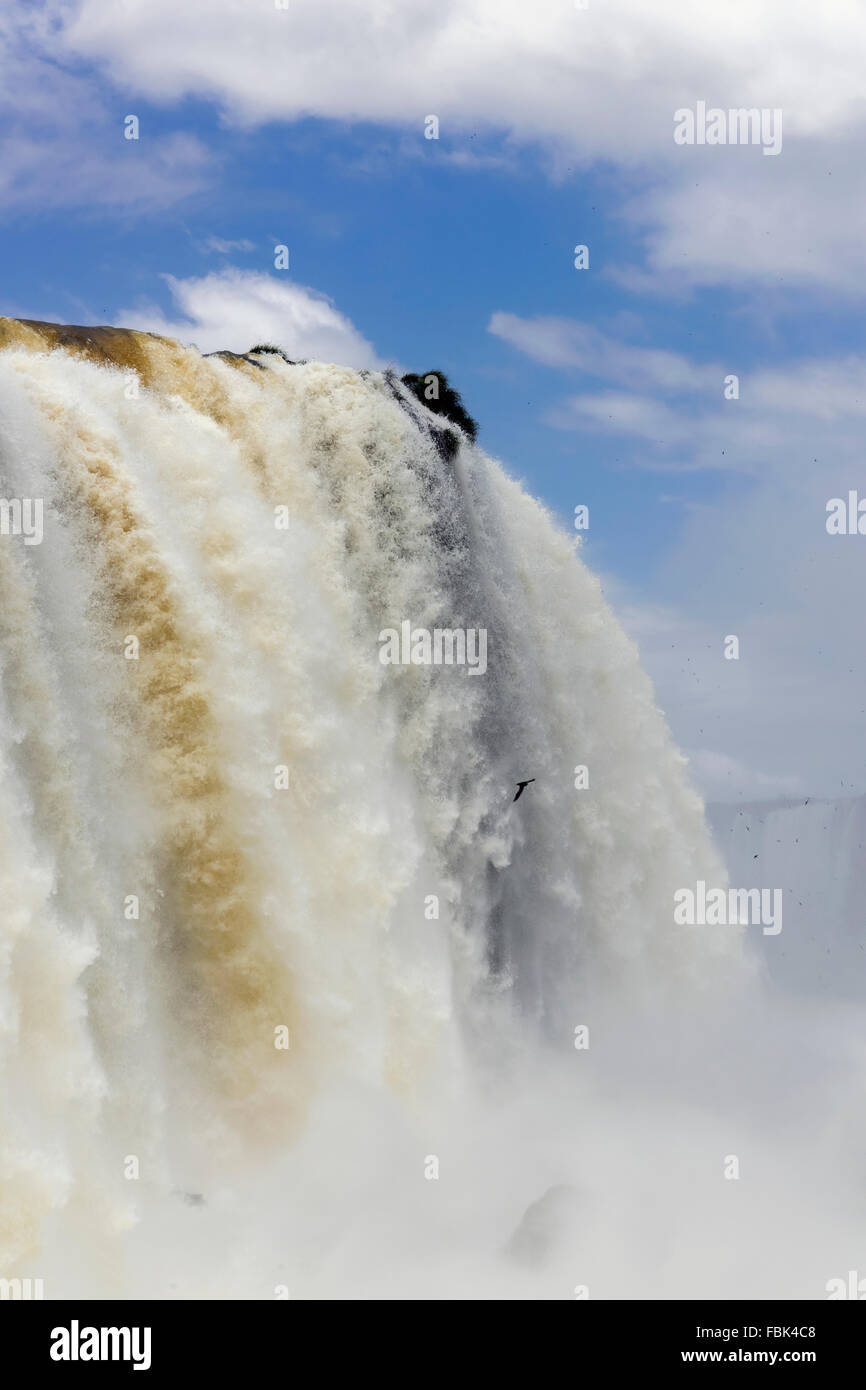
(434, 390)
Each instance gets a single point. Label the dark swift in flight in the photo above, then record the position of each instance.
(520, 786)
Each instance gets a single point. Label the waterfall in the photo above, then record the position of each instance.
(812, 850)
(259, 884)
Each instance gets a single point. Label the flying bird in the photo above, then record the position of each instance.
(520, 786)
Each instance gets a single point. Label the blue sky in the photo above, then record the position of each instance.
(305, 127)
(419, 252)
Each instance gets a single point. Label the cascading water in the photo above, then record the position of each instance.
(271, 919)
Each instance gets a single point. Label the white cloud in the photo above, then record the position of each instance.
(757, 563)
(678, 405)
(558, 342)
(722, 778)
(826, 390)
(552, 71)
(234, 309)
(619, 412)
(599, 84)
(74, 170)
(221, 247)
(800, 218)
(63, 146)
